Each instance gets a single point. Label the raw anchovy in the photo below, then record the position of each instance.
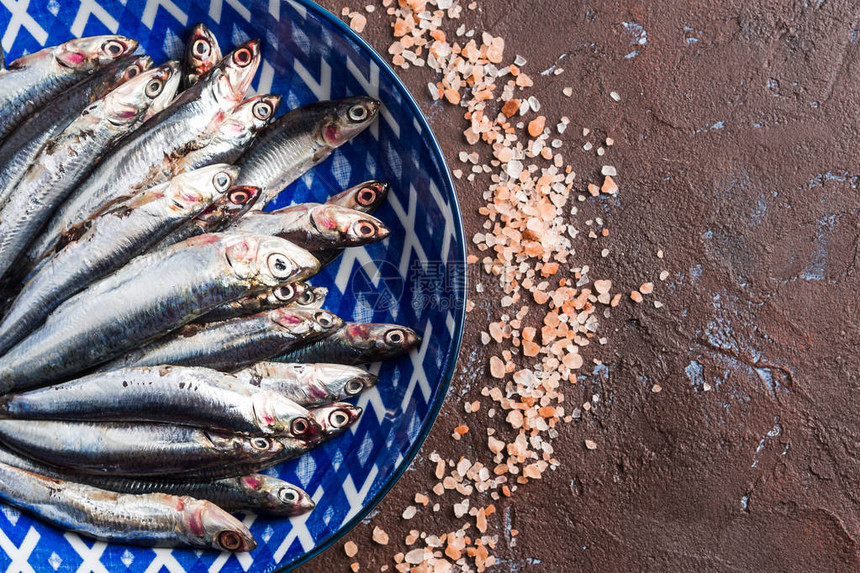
(30, 81)
(357, 343)
(235, 134)
(202, 53)
(334, 419)
(150, 296)
(279, 296)
(189, 396)
(65, 160)
(152, 519)
(301, 139)
(308, 384)
(23, 145)
(134, 448)
(108, 241)
(365, 197)
(216, 217)
(149, 155)
(314, 227)
(234, 344)
(256, 492)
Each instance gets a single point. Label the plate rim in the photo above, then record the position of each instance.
(459, 312)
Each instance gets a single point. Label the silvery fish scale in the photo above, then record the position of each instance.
(415, 278)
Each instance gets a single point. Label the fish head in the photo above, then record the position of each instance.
(280, 261)
(383, 340)
(190, 190)
(360, 228)
(235, 203)
(343, 227)
(136, 66)
(145, 94)
(237, 69)
(282, 295)
(86, 54)
(312, 297)
(248, 118)
(344, 381)
(305, 322)
(276, 495)
(202, 52)
(276, 413)
(269, 260)
(335, 418)
(215, 527)
(347, 118)
(365, 197)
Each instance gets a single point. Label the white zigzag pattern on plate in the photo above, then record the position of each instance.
(418, 213)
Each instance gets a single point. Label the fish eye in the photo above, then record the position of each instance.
(113, 48)
(242, 57)
(229, 540)
(366, 196)
(201, 48)
(154, 88)
(284, 293)
(288, 495)
(300, 427)
(260, 443)
(131, 72)
(357, 113)
(222, 181)
(354, 386)
(307, 297)
(279, 266)
(365, 229)
(240, 196)
(262, 110)
(338, 419)
(324, 319)
(395, 336)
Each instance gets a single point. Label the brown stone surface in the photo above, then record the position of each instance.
(736, 143)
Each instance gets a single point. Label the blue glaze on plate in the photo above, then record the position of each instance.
(415, 278)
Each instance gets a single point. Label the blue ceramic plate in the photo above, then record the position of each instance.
(415, 278)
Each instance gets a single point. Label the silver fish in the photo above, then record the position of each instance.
(65, 160)
(103, 244)
(334, 419)
(315, 226)
(301, 139)
(357, 343)
(308, 384)
(365, 197)
(21, 147)
(214, 218)
(2, 59)
(202, 53)
(196, 397)
(277, 297)
(149, 156)
(234, 344)
(116, 448)
(150, 296)
(32, 80)
(235, 134)
(259, 493)
(152, 519)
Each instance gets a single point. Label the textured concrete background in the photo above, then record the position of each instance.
(736, 144)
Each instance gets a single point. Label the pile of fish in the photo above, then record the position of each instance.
(160, 345)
